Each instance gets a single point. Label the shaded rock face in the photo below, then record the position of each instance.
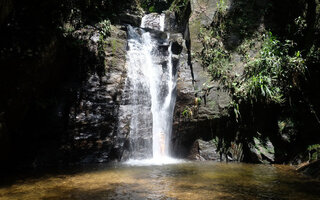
(184, 87)
(93, 120)
(54, 86)
(201, 104)
(32, 112)
(215, 100)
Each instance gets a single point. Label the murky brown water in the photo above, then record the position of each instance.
(192, 180)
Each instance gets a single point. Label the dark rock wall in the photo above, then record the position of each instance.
(57, 82)
(93, 118)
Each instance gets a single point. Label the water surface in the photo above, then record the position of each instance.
(189, 180)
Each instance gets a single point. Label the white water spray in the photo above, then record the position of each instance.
(161, 21)
(151, 80)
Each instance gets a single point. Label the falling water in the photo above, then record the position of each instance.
(150, 86)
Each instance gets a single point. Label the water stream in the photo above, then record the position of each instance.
(150, 88)
(190, 180)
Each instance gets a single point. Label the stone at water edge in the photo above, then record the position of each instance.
(204, 150)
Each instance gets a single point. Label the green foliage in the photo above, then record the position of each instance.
(187, 112)
(313, 147)
(178, 5)
(105, 28)
(268, 78)
(272, 74)
(221, 5)
(214, 56)
(152, 9)
(314, 152)
(105, 31)
(300, 24)
(147, 4)
(313, 55)
(180, 8)
(236, 110)
(287, 126)
(67, 28)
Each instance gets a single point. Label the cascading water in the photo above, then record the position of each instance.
(150, 90)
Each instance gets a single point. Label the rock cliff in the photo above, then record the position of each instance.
(63, 72)
(202, 103)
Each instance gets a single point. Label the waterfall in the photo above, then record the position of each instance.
(150, 90)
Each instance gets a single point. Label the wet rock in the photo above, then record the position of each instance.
(202, 14)
(178, 43)
(201, 104)
(204, 150)
(170, 22)
(311, 169)
(133, 19)
(261, 151)
(93, 118)
(162, 36)
(153, 21)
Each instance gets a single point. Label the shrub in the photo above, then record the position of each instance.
(269, 77)
(105, 28)
(272, 74)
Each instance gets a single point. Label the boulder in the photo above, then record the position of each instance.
(204, 150)
(130, 17)
(311, 169)
(261, 151)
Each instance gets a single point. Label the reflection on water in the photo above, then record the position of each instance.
(190, 180)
